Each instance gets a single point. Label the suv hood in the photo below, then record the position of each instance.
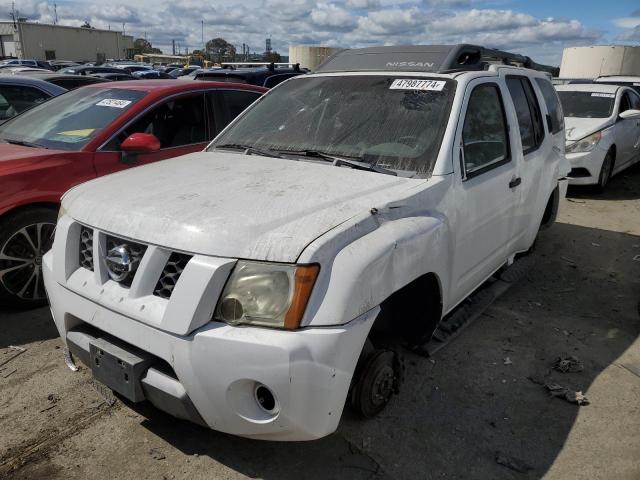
(231, 205)
(578, 128)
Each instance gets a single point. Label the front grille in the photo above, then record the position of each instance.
(86, 248)
(136, 252)
(170, 275)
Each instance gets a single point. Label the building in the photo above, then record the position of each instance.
(309, 56)
(39, 41)
(597, 60)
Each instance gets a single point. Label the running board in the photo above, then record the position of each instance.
(474, 306)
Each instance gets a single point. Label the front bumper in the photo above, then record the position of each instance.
(586, 166)
(216, 368)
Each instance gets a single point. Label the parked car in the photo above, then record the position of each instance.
(66, 81)
(18, 94)
(268, 76)
(603, 131)
(17, 62)
(60, 64)
(627, 81)
(115, 77)
(180, 72)
(152, 74)
(89, 132)
(89, 70)
(136, 68)
(257, 286)
(19, 70)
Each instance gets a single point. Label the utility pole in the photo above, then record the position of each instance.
(122, 28)
(202, 34)
(55, 14)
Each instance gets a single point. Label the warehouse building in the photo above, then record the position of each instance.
(594, 61)
(39, 41)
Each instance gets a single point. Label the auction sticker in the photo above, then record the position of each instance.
(112, 102)
(604, 95)
(416, 84)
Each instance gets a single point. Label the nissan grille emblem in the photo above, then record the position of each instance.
(120, 263)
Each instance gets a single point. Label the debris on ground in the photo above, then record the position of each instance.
(573, 200)
(20, 351)
(512, 463)
(568, 364)
(559, 391)
(507, 361)
(156, 454)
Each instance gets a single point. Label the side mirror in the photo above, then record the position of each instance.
(631, 113)
(140, 143)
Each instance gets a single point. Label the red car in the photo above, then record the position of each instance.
(86, 133)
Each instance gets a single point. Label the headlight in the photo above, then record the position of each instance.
(266, 294)
(585, 144)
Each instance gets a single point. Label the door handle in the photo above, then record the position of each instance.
(515, 182)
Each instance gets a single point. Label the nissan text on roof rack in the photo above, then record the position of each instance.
(260, 285)
(603, 131)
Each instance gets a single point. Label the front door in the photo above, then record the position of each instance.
(181, 125)
(486, 187)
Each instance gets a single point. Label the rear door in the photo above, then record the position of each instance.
(530, 154)
(180, 123)
(486, 192)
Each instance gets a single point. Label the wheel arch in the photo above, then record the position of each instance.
(28, 206)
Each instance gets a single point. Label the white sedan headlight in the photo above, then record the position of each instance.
(585, 144)
(266, 294)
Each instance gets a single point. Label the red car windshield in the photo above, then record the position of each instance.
(70, 121)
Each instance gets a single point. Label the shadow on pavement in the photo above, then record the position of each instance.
(624, 186)
(22, 327)
(456, 412)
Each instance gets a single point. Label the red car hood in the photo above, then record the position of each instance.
(16, 157)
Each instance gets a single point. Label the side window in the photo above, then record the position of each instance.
(635, 100)
(528, 112)
(485, 138)
(15, 100)
(175, 123)
(553, 105)
(625, 103)
(235, 102)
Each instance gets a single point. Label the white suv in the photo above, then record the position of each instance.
(253, 286)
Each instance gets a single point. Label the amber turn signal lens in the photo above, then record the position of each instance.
(305, 278)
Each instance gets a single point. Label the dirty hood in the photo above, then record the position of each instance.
(231, 205)
(578, 128)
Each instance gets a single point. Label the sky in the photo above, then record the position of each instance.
(540, 29)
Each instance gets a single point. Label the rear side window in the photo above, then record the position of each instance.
(635, 100)
(236, 101)
(528, 112)
(17, 99)
(553, 105)
(485, 137)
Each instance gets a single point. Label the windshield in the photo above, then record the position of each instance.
(393, 123)
(70, 121)
(587, 104)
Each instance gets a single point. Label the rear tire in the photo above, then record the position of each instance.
(605, 173)
(25, 236)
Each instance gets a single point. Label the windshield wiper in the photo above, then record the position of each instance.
(339, 160)
(249, 150)
(23, 143)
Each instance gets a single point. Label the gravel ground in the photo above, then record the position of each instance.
(463, 414)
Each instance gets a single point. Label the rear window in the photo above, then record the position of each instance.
(553, 104)
(587, 104)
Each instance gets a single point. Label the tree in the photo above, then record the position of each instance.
(220, 50)
(86, 24)
(142, 45)
(272, 57)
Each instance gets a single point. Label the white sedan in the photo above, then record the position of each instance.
(603, 131)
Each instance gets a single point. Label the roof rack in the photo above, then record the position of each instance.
(269, 65)
(422, 58)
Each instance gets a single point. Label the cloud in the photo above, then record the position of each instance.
(332, 16)
(632, 35)
(628, 22)
(339, 23)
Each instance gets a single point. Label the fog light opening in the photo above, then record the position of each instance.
(266, 399)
